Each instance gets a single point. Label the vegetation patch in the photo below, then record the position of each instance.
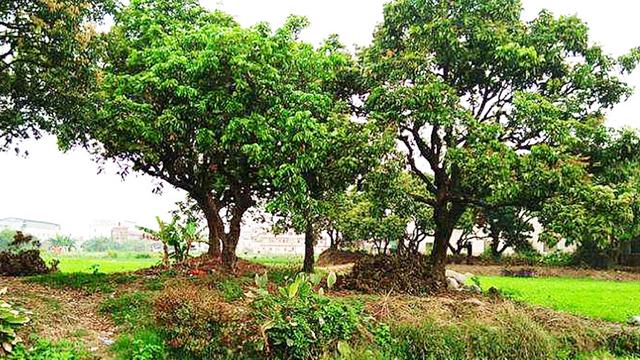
(89, 283)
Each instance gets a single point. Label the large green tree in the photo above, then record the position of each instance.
(190, 97)
(46, 57)
(325, 149)
(601, 214)
(480, 99)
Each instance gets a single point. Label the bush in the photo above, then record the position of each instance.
(384, 273)
(11, 319)
(558, 258)
(199, 324)
(22, 263)
(302, 324)
(624, 343)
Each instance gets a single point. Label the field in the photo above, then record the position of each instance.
(103, 262)
(608, 300)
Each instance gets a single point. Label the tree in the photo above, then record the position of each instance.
(63, 241)
(45, 63)
(478, 97)
(324, 150)
(383, 214)
(602, 213)
(190, 97)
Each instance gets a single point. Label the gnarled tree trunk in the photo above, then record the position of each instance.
(445, 218)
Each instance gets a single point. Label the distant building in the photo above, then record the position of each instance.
(40, 229)
(125, 231)
(263, 241)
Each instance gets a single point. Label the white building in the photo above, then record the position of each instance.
(42, 230)
(260, 240)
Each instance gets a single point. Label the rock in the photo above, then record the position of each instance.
(460, 278)
(634, 320)
(106, 340)
(452, 284)
(473, 301)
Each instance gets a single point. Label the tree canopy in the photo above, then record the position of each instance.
(223, 112)
(482, 100)
(46, 57)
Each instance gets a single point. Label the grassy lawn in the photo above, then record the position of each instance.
(608, 300)
(117, 262)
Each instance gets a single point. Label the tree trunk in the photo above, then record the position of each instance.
(214, 223)
(445, 221)
(309, 242)
(495, 243)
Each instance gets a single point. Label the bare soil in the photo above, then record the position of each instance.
(63, 314)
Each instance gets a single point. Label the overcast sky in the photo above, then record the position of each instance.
(66, 189)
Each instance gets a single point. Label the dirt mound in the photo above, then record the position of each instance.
(339, 257)
(23, 263)
(385, 274)
(203, 265)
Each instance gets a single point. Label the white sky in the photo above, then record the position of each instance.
(66, 189)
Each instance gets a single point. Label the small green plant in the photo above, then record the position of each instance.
(131, 309)
(11, 319)
(95, 269)
(47, 350)
(300, 323)
(231, 290)
(144, 344)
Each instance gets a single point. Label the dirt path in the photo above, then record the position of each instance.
(63, 314)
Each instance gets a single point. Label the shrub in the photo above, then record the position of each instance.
(11, 319)
(199, 324)
(558, 258)
(302, 324)
(383, 273)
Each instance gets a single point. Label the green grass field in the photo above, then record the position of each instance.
(607, 300)
(117, 262)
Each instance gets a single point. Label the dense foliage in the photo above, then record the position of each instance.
(490, 108)
(46, 57)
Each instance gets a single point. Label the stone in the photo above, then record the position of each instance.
(452, 284)
(634, 320)
(460, 278)
(473, 301)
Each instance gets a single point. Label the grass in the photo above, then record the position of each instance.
(90, 283)
(106, 262)
(272, 260)
(607, 300)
